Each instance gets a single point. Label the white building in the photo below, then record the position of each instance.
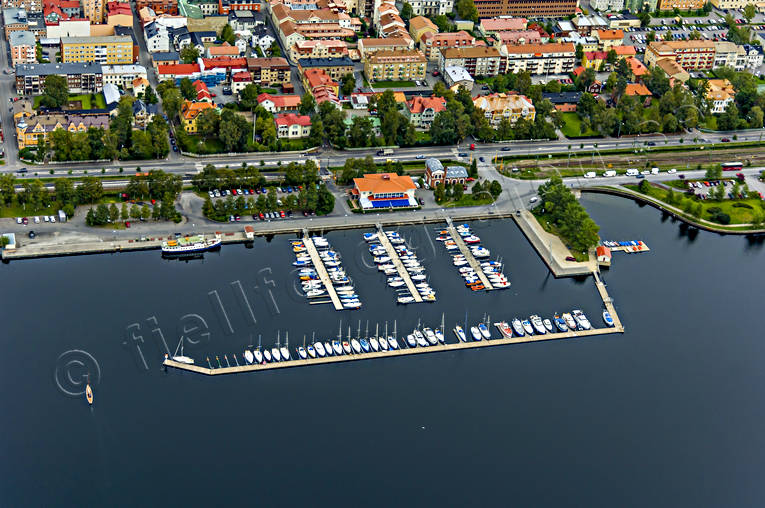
(431, 7)
(157, 38)
(607, 5)
(456, 76)
(123, 75)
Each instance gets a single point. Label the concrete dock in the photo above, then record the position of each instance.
(472, 261)
(318, 264)
(402, 271)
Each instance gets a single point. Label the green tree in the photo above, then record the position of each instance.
(124, 213)
(208, 122)
(728, 120)
(248, 97)
(114, 213)
(645, 18)
(406, 12)
(171, 102)
(149, 97)
(495, 189)
(56, 91)
(187, 89)
(102, 214)
(325, 201)
(466, 10)
(307, 104)
(7, 188)
(145, 212)
(227, 34)
(349, 84)
(749, 12)
(189, 54)
(275, 50)
(714, 172)
(90, 190)
(135, 212)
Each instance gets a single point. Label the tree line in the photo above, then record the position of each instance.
(561, 209)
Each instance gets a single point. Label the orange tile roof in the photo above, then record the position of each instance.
(625, 50)
(281, 101)
(610, 35)
(383, 183)
(317, 77)
(191, 110)
(637, 89)
(418, 104)
(637, 67)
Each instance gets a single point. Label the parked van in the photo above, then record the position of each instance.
(654, 171)
(610, 172)
(590, 174)
(632, 172)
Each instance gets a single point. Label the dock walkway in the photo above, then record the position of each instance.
(393, 255)
(321, 270)
(607, 301)
(472, 261)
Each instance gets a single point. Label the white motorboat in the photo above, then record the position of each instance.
(313, 293)
(285, 353)
(248, 356)
(396, 283)
(393, 343)
(320, 349)
(405, 299)
(430, 336)
(539, 327)
(484, 330)
(411, 341)
(328, 348)
(419, 277)
(570, 321)
(421, 341)
(302, 352)
(560, 323)
(581, 319)
(527, 327)
(505, 329)
(370, 237)
(607, 319)
(440, 335)
(548, 324)
(518, 327)
(381, 259)
(337, 348)
(476, 333)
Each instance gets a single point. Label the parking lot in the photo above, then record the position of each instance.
(279, 212)
(713, 30)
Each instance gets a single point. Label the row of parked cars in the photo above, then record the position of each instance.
(251, 192)
(280, 214)
(36, 219)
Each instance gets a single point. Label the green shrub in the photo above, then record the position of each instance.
(742, 205)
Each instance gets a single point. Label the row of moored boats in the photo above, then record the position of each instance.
(311, 282)
(533, 325)
(414, 269)
(491, 269)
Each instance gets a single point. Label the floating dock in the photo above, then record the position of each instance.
(318, 263)
(472, 261)
(402, 271)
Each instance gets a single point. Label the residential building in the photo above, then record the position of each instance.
(501, 105)
(456, 76)
(422, 110)
(127, 31)
(738, 5)
(269, 71)
(158, 6)
(754, 57)
(419, 26)
(623, 20)
(123, 75)
(564, 102)
(372, 45)
(315, 78)
(190, 111)
(319, 49)
(403, 65)
(682, 5)
(157, 37)
(119, 14)
(336, 68)
(143, 113)
(384, 190)
(516, 37)
(279, 103)
(478, 61)
(674, 70)
(587, 25)
(638, 90)
(28, 5)
(326, 94)
(432, 44)
(728, 54)
(607, 5)
(490, 26)
(292, 126)
(548, 58)
(106, 50)
(241, 19)
(435, 173)
(58, 10)
(165, 57)
(80, 77)
(691, 55)
(720, 94)
(15, 20)
(23, 46)
(33, 126)
(239, 81)
(139, 85)
(527, 8)
(74, 27)
(222, 50)
(609, 38)
(226, 6)
(432, 7)
(94, 10)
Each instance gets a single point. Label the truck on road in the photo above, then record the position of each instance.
(385, 151)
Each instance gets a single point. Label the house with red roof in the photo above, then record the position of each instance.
(203, 93)
(279, 103)
(292, 126)
(224, 50)
(384, 190)
(422, 110)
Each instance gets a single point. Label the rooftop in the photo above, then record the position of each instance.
(292, 119)
(384, 183)
(22, 38)
(44, 69)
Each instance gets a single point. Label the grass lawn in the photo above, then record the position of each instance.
(710, 122)
(467, 200)
(422, 137)
(96, 101)
(393, 84)
(544, 221)
(743, 213)
(572, 126)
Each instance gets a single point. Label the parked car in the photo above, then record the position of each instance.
(725, 140)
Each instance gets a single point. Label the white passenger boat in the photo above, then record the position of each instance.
(570, 321)
(548, 324)
(527, 327)
(411, 341)
(190, 244)
(518, 327)
(581, 319)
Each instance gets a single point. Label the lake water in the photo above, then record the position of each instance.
(668, 414)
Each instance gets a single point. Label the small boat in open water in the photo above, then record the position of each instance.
(89, 392)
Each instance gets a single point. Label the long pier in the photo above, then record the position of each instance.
(607, 301)
(318, 263)
(472, 261)
(402, 271)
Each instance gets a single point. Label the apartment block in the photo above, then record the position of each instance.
(319, 49)
(28, 5)
(683, 5)
(226, 6)
(404, 65)
(432, 44)
(336, 68)
(548, 58)
(526, 8)
(158, 6)
(15, 20)
(501, 106)
(81, 77)
(478, 61)
(269, 71)
(691, 55)
(22, 47)
(432, 7)
(111, 50)
(94, 10)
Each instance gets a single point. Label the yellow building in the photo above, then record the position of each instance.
(683, 5)
(501, 105)
(94, 10)
(404, 65)
(110, 50)
(190, 111)
(419, 26)
(30, 125)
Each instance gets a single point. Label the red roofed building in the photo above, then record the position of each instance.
(173, 71)
(224, 63)
(224, 50)
(604, 255)
(314, 77)
(422, 110)
(292, 126)
(637, 67)
(225, 6)
(114, 8)
(384, 190)
(203, 93)
(239, 80)
(279, 103)
(324, 94)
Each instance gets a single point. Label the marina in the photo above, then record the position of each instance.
(315, 266)
(467, 254)
(394, 258)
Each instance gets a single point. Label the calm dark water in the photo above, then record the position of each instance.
(668, 414)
